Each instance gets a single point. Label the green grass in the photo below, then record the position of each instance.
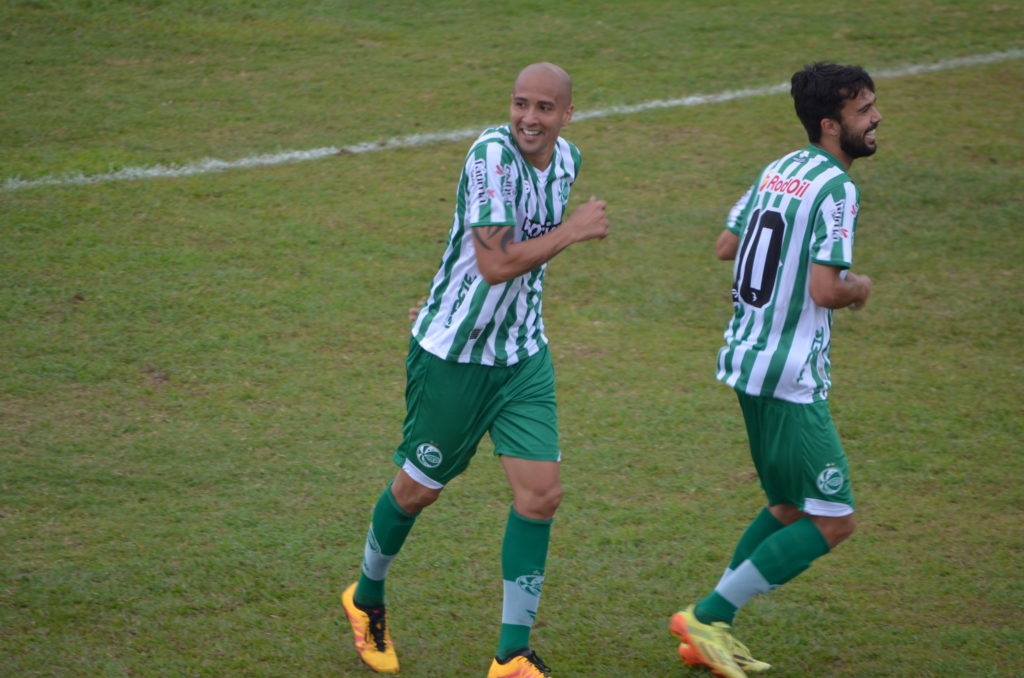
(203, 376)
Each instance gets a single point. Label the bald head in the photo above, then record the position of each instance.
(552, 75)
(541, 105)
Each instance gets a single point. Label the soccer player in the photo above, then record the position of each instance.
(791, 236)
(478, 363)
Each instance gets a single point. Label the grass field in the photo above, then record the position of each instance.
(202, 376)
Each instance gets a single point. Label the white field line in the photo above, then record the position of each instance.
(414, 140)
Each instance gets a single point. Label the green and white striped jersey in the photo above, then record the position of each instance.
(803, 209)
(465, 319)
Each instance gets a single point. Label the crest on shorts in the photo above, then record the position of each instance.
(429, 455)
(830, 480)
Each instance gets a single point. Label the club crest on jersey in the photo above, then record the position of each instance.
(563, 190)
(429, 455)
(830, 480)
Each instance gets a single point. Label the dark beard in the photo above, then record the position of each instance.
(855, 147)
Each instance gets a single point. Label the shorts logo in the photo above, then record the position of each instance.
(531, 584)
(830, 480)
(429, 455)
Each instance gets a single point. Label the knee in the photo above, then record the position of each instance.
(412, 496)
(847, 526)
(539, 503)
(786, 513)
(835, 530)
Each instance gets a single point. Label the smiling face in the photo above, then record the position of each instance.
(857, 122)
(541, 106)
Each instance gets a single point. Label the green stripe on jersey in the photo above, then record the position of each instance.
(465, 319)
(802, 209)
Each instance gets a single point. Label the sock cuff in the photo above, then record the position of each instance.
(394, 503)
(767, 515)
(512, 513)
(810, 532)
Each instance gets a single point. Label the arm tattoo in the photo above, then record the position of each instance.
(506, 233)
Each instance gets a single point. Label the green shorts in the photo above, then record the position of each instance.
(798, 456)
(449, 407)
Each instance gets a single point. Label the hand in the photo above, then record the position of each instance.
(589, 220)
(414, 311)
(863, 284)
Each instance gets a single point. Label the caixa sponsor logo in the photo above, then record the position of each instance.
(779, 184)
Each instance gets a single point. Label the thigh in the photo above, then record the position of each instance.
(798, 455)
(526, 426)
(449, 407)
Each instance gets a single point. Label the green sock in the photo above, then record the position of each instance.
(762, 527)
(716, 608)
(389, 527)
(777, 560)
(523, 555)
(789, 552)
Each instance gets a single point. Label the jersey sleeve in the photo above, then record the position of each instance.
(835, 220)
(733, 221)
(490, 185)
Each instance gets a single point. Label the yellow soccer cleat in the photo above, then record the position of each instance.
(740, 654)
(709, 644)
(373, 641)
(524, 664)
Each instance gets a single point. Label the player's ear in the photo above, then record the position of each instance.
(830, 127)
(568, 114)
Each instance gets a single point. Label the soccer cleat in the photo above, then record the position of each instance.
(740, 654)
(373, 640)
(523, 664)
(709, 644)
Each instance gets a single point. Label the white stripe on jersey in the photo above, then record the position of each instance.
(778, 345)
(464, 319)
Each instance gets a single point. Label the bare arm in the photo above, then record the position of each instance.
(726, 245)
(830, 290)
(500, 259)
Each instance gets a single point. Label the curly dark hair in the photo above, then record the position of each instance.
(820, 89)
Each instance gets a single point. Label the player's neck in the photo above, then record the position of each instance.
(836, 152)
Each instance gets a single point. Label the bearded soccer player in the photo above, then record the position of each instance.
(791, 236)
(478, 363)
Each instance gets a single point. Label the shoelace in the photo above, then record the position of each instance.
(539, 663)
(377, 626)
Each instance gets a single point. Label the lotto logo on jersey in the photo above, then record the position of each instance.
(779, 184)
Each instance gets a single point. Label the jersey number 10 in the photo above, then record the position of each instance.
(758, 265)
